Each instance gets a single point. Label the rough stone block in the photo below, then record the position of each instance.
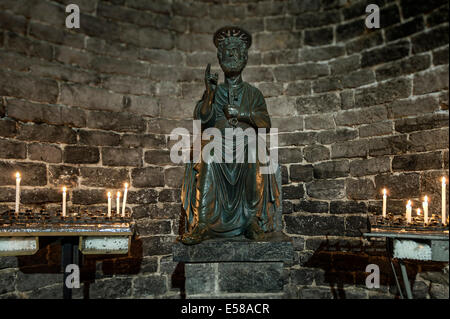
(331, 169)
(300, 72)
(81, 155)
(63, 175)
(316, 153)
(147, 177)
(372, 114)
(110, 288)
(98, 138)
(400, 186)
(119, 122)
(370, 166)
(417, 162)
(376, 129)
(360, 189)
(322, 103)
(32, 174)
(45, 152)
(384, 92)
(144, 196)
(326, 189)
(200, 278)
(276, 247)
(103, 177)
(323, 224)
(112, 156)
(8, 128)
(407, 107)
(404, 66)
(293, 192)
(364, 42)
(431, 81)
(428, 140)
(250, 277)
(12, 149)
(384, 54)
(430, 39)
(349, 149)
(392, 145)
(338, 135)
(42, 90)
(47, 133)
(301, 173)
(149, 286)
(318, 37)
(311, 206)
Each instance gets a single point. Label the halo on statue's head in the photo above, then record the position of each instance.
(232, 31)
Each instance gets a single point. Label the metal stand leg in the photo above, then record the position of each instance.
(406, 281)
(66, 259)
(389, 253)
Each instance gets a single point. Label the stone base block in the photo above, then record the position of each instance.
(236, 267)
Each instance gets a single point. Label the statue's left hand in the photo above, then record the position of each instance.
(230, 112)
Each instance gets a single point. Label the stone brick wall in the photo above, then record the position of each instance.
(91, 108)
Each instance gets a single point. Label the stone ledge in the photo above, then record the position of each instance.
(275, 247)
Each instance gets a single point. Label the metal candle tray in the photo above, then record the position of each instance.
(98, 233)
(399, 222)
(53, 223)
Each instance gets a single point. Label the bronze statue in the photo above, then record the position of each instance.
(223, 199)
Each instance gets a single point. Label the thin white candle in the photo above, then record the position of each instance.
(109, 204)
(425, 210)
(444, 203)
(384, 203)
(124, 199)
(64, 202)
(17, 192)
(408, 212)
(118, 203)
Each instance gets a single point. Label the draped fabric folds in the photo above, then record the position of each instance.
(226, 196)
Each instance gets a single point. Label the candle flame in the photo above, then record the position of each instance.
(409, 203)
(64, 189)
(426, 199)
(126, 185)
(418, 211)
(118, 194)
(384, 191)
(443, 180)
(109, 194)
(17, 175)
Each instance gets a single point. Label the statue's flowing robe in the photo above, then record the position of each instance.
(227, 195)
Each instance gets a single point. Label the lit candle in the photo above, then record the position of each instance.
(124, 199)
(384, 203)
(418, 211)
(118, 203)
(64, 202)
(408, 212)
(17, 192)
(444, 203)
(425, 210)
(109, 204)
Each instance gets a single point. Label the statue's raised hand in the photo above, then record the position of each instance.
(210, 80)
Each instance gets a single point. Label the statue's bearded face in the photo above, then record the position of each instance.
(232, 54)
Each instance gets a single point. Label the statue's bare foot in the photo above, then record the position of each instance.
(196, 235)
(254, 231)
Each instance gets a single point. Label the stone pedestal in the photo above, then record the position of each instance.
(235, 267)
